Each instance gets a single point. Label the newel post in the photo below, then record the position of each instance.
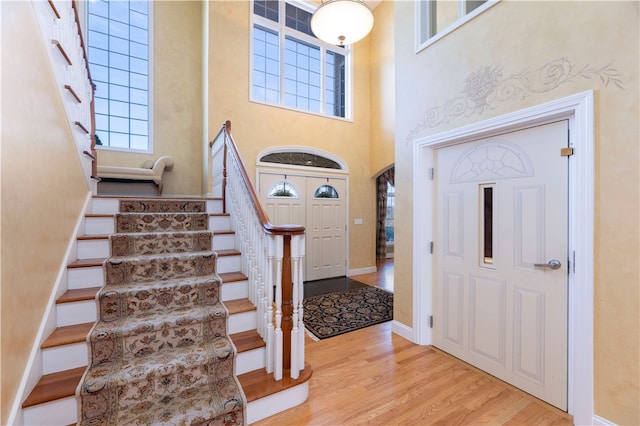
(287, 302)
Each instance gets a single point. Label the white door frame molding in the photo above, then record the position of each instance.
(579, 110)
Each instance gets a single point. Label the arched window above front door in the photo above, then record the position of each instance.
(326, 191)
(283, 189)
(301, 158)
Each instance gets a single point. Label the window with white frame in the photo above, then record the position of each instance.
(118, 39)
(291, 67)
(436, 18)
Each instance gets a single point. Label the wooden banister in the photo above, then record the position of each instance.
(262, 215)
(274, 258)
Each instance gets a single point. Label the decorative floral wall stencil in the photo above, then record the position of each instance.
(488, 86)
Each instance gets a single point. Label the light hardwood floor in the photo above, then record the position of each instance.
(374, 377)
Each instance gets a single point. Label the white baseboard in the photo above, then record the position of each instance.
(599, 421)
(402, 330)
(360, 271)
(34, 368)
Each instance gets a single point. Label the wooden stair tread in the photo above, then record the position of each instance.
(258, 383)
(227, 252)
(228, 277)
(75, 333)
(78, 295)
(55, 386)
(219, 214)
(93, 237)
(86, 263)
(247, 340)
(99, 215)
(237, 306)
(224, 232)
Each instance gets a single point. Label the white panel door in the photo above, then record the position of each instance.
(323, 218)
(281, 209)
(501, 220)
(325, 230)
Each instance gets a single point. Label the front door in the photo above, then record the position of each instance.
(325, 229)
(318, 204)
(501, 257)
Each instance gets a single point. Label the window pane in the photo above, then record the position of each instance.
(298, 19)
(335, 84)
(266, 8)
(266, 68)
(117, 37)
(487, 224)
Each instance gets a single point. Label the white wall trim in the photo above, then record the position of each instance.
(579, 110)
(599, 421)
(402, 330)
(33, 369)
(360, 271)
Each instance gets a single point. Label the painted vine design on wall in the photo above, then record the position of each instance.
(487, 87)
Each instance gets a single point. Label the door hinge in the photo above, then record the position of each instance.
(431, 247)
(431, 173)
(566, 152)
(430, 321)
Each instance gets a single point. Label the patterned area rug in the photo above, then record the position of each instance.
(160, 353)
(331, 314)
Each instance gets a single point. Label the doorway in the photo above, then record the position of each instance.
(579, 110)
(319, 204)
(500, 262)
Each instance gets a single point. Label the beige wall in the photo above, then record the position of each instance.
(382, 88)
(177, 98)
(43, 189)
(256, 127)
(519, 54)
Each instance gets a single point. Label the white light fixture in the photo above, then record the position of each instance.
(342, 22)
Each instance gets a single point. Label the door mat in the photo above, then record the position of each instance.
(331, 314)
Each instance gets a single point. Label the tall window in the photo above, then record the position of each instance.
(436, 18)
(291, 67)
(118, 41)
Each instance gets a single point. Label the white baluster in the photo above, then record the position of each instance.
(278, 344)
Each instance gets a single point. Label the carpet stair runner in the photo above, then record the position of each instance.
(160, 352)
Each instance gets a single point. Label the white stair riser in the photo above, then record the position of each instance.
(219, 223)
(59, 412)
(93, 249)
(104, 205)
(214, 206)
(65, 357)
(224, 241)
(76, 312)
(277, 402)
(250, 360)
(234, 290)
(99, 225)
(242, 322)
(85, 277)
(228, 264)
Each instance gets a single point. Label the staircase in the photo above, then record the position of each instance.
(65, 355)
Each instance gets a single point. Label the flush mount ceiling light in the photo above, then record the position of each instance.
(342, 22)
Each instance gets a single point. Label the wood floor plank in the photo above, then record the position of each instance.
(371, 376)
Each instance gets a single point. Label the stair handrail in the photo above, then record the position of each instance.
(272, 258)
(61, 30)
